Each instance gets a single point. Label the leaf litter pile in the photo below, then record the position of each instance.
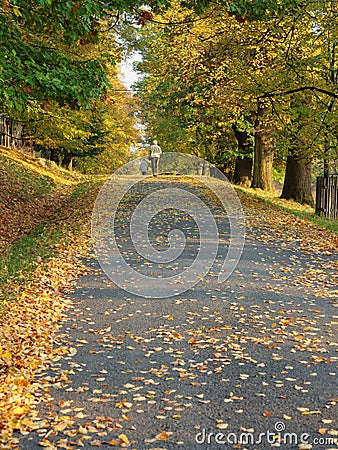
(131, 372)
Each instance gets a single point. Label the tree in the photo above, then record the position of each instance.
(300, 144)
(43, 50)
(66, 135)
(215, 69)
(60, 78)
(243, 166)
(180, 101)
(264, 150)
(207, 64)
(298, 182)
(122, 133)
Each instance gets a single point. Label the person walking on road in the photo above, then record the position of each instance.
(154, 156)
(144, 167)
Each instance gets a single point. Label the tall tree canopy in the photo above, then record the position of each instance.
(43, 44)
(44, 50)
(207, 75)
(222, 79)
(59, 77)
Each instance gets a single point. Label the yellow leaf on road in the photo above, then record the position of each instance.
(162, 436)
(124, 439)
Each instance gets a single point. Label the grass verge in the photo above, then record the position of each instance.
(18, 263)
(301, 211)
(28, 251)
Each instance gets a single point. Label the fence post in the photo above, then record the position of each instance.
(327, 196)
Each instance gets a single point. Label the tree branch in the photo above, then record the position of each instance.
(300, 89)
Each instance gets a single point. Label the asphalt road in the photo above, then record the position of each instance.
(250, 363)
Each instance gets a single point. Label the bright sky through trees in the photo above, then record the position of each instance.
(127, 73)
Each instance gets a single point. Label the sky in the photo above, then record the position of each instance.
(128, 75)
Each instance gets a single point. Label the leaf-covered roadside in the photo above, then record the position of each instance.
(30, 194)
(32, 313)
(277, 224)
(305, 213)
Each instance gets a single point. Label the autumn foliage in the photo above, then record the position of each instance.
(32, 304)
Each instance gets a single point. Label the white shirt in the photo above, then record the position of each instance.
(155, 151)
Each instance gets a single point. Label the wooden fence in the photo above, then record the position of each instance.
(327, 196)
(11, 133)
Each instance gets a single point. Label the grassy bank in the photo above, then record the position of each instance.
(44, 240)
(304, 212)
(39, 213)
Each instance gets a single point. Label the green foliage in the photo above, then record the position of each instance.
(86, 133)
(253, 10)
(52, 72)
(42, 55)
(67, 91)
(208, 72)
(44, 50)
(63, 130)
(113, 134)
(262, 9)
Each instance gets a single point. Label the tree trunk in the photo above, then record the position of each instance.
(53, 156)
(297, 182)
(263, 152)
(243, 171)
(243, 165)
